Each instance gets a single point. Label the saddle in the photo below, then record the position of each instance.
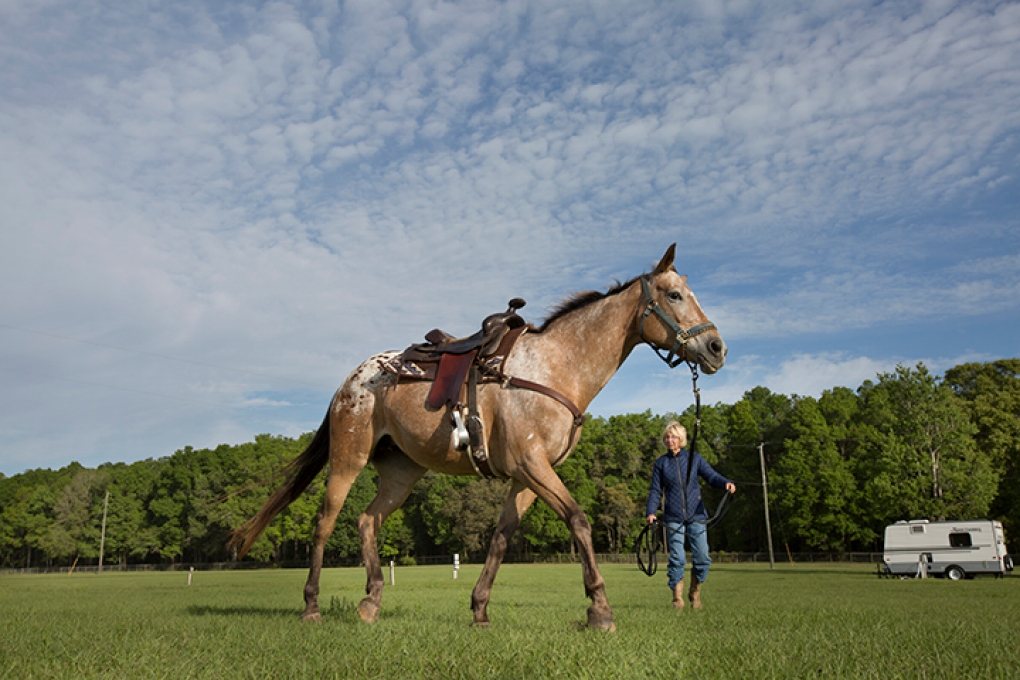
(451, 362)
(446, 360)
(486, 340)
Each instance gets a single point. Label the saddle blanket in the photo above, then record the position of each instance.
(403, 367)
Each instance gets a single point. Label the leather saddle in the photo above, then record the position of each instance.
(486, 340)
(447, 360)
(451, 362)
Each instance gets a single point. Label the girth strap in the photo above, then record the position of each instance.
(579, 417)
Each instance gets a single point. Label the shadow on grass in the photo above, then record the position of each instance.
(268, 612)
(805, 569)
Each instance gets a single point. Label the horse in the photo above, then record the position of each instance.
(376, 417)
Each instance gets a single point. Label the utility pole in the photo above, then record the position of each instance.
(765, 490)
(102, 534)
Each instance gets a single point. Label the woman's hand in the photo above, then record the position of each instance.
(651, 519)
(731, 487)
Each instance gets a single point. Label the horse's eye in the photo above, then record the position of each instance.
(674, 296)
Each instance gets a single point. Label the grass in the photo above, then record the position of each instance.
(798, 621)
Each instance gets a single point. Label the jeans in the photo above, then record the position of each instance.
(697, 536)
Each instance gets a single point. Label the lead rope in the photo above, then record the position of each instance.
(697, 421)
(723, 506)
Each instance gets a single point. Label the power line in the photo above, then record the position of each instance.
(159, 356)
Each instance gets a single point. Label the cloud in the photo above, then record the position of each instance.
(856, 296)
(288, 188)
(647, 386)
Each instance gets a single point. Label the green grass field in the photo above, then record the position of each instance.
(797, 621)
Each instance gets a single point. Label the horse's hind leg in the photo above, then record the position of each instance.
(517, 503)
(348, 455)
(397, 476)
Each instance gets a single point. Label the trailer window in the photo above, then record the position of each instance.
(917, 529)
(959, 540)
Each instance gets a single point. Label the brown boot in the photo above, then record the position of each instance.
(678, 596)
(695, 593)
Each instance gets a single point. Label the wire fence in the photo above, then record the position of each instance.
(720, 557)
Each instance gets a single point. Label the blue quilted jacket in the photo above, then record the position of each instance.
(682, 505)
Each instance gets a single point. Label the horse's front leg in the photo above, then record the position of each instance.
(517, 503)
(546, 483)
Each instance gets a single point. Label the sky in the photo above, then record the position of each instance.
(211, 212)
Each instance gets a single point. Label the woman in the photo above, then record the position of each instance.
(685, 513)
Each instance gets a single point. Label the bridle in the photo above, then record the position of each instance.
(678, 351)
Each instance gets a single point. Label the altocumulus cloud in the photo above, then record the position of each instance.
(272, 192)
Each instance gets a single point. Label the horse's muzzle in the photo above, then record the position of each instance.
(709, 352)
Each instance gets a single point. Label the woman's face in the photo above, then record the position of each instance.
(672, 442)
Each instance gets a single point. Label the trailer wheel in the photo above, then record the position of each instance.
(955, 573)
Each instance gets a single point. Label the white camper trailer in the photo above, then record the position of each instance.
(955, 550)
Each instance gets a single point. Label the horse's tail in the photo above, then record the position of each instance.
(300, 473)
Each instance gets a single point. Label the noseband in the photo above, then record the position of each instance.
(678, 352)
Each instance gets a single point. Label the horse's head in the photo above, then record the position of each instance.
(672, 320)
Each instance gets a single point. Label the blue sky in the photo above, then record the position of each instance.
(210, 213)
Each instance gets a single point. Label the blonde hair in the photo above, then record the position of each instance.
(675, 428)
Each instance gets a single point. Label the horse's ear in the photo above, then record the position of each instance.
(666, 262)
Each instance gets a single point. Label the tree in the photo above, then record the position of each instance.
(617, 513)
(473, 512)
(25, 521)
(916, 451)
(74, 532)
(395, 537)
(991, 392)
(129, 531)
(543, 530)
(813, 482)
(428, 500)
(760, 416)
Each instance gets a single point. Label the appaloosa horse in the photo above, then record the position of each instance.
(378, 418)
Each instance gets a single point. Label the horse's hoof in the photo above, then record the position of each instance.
(312, 617)
(601, 622)
(480, 624)
(607, 626)
(368, 611)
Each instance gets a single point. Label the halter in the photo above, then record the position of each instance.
(678, 351)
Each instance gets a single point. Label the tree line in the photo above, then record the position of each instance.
(907, 445)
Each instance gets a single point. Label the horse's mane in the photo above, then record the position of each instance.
(581, 300)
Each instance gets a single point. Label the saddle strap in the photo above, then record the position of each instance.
(477, 453)
(579, 417)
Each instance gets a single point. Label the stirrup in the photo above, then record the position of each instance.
(460, 433)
